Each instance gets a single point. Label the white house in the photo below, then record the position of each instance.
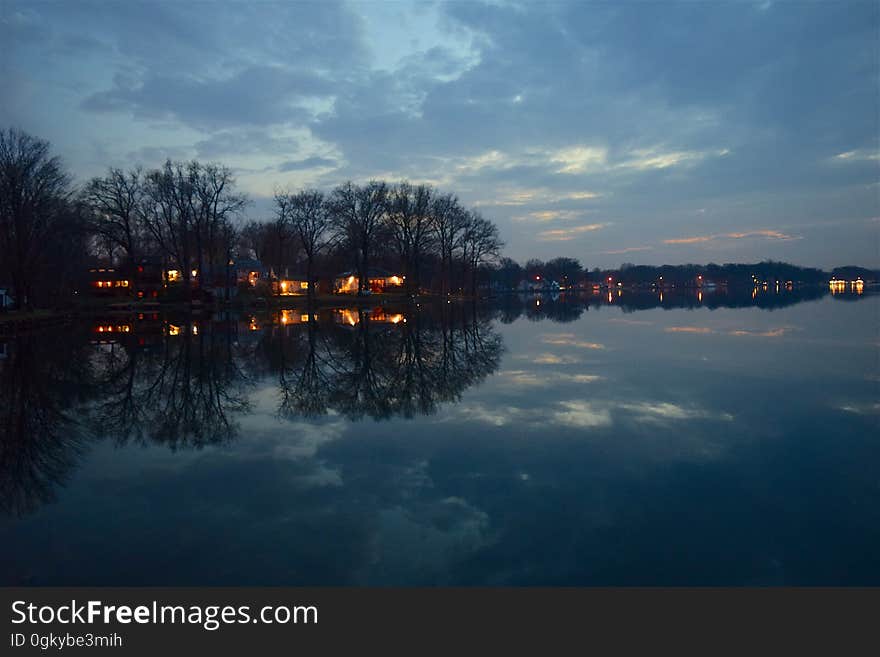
(5, 298)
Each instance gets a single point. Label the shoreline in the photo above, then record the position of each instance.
(13, 322)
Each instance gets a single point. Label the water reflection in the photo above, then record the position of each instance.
(570, 306)
(185, 381)
(41, 437)
(181, 390)
(686, 444)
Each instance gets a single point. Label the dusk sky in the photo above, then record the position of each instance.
(644, 132)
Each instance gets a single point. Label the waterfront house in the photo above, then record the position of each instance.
(290, 286)
(108, 282)
(141, 278)
(379, 281)
(250, 270)
(5, 298)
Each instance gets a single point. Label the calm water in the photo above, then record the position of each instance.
(534, 441)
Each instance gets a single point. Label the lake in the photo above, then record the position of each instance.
(613, 439)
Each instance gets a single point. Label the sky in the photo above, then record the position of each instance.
(647, 132)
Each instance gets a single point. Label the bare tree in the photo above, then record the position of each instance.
(188, 209)
(409, 216)
(450, 220)
(168, 214)
(115, 202)
(308, 216)
(481, 244)
(216, 205)
(358, 214)
(33, 198)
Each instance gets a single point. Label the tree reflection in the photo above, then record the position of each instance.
(41, 437)
(185, 382)
(185, 393)
(379, 364)
(569, 307)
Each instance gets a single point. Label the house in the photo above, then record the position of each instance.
(141, 278)
(108, 282)
(379, 281)
(292, 286)
(539, 285)
(250, 270)
(145, 276)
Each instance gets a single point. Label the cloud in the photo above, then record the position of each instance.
(765, 333)
(256, 95)
(762, 234)
(861, 409)
(579, 159)
(581, 414)
(761, 333)
(758, 117)
(240, 142)
(551, 215)
(654, 158)
(531, 196)
(658, 412)
(308, 163)
(553, 359)
(629, 249)
(688, 329)
(526, 379)
(570, 340)
(857, 155)
(566, 234)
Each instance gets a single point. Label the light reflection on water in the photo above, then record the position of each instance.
(693, 439)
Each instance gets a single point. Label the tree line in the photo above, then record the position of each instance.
(570, 273)
(192, 216)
